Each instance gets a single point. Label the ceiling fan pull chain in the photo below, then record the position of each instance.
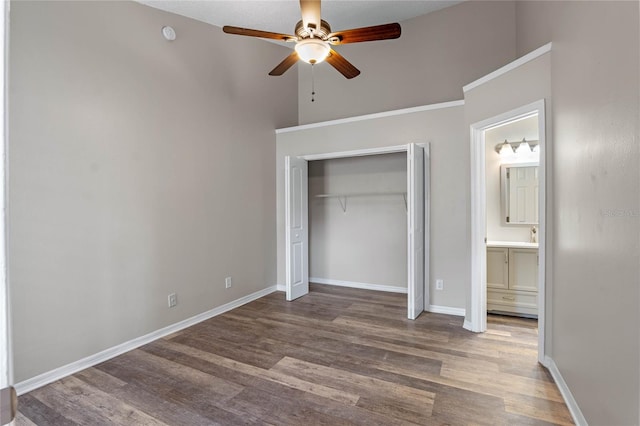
(313, 85)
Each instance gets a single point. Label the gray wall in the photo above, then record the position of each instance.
(444, 130)
(367, 243)
(596, 200)
(436, 55)
(137, 168)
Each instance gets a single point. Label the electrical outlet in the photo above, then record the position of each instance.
(439, 284)
(173, 300)
(227, 282)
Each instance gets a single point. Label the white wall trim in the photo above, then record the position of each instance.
(448, 310)
(355, 153)
(6, 341)
(281, 287)
(374, 116)
(574, 409)
(509, 67)
(72, 368)
(353, 284)
(477, 318)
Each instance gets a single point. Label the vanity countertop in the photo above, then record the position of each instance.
(512, 244)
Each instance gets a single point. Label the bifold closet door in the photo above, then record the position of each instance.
(415, 231)
(297, 227)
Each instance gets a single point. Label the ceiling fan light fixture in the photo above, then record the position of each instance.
(313, 50)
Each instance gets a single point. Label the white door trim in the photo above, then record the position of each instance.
(477, 318)
(8, 399)
(355, 153)
(6, 359)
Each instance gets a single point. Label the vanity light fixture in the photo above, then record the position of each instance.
(523, 150)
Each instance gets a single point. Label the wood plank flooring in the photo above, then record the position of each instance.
(336, 356)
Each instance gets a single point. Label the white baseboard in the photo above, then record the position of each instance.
(72, 368)
(353, 284)
(467, 325)
(437, 309)
(576, 413)
(281, 287)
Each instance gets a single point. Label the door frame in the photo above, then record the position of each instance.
(6, 361)
(477, 318)
(426, 195)
(8, 401)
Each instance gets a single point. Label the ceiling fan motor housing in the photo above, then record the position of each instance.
(308, 32)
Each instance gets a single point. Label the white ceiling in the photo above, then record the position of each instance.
(282, 15)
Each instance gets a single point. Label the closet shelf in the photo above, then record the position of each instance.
(342, 197)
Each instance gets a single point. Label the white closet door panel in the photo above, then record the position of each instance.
(415, 223)
(297, 227)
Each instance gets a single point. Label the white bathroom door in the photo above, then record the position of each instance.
(415, 231)
(523, 195)
(297, 227)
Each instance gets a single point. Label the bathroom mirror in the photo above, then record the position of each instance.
(519, 193)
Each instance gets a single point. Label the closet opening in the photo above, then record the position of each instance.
(358, 222)
(357, 219)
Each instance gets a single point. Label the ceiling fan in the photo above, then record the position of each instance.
(314, 40)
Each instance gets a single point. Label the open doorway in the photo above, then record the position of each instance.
(508, 218)
(297, 219)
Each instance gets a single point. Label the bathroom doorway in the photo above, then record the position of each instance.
(508, 218)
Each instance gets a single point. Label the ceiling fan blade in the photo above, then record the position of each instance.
(343, 66)
(283, 66)
(358, 35)
(310, 10)
(257, 33)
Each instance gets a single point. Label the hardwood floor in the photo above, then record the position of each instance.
(336, 356)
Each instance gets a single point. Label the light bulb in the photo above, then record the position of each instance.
(506, 150)
(312, 50)
(523, 148)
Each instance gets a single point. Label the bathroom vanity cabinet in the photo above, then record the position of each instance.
(512, 278)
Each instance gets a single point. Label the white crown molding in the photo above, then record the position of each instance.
(72, 368)
(509, 67)
(371, 116)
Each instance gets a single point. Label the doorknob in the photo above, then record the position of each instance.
(8, 405)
